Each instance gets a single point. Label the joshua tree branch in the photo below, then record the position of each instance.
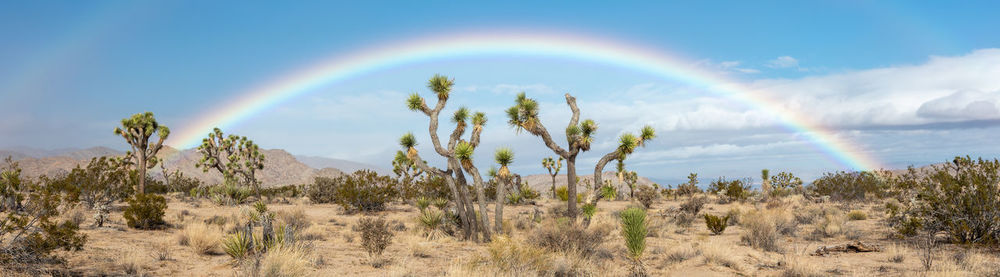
(571, 101)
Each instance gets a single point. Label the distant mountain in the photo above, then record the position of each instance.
(280, 167)
(343, 165)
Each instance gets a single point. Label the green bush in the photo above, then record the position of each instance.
(588, 210)
(29, 212)
(375, 236)
(634, 230)
(961, 198)
(609, 192)
(732, 190)
(563, 194)
(716, 224)
(422, 203)
(850, 186)
(529, 193)
(430, 186)
(102, 182)
(784, 184)
(230, 194)
(364, 191)
(646, 195)
(145, 211)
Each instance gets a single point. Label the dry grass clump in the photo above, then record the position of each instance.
(201, 237)
(419, 249)
(896, 253)
(857, 215)
(565, 236)
(130, 262)
(795, 266)
(285, 261)
(734, 214)
(507, 256)
(718, 254)
(808, 214)
(161, 252)
(784, 221)
(295, 218)
(314, 232)
(681, 254)
(760, 231)
(831, 224)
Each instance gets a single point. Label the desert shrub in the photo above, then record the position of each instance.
(429, 186)
(201, 237)
(731, 190)
(681, 254)
(961, 198)
(529, 193)
(784, 221)
(364, 191)
(102, 182)
(716, 224)
(798, 267)
(759, 231)
(693, 205)
(646, 196)
(734, 216)
(440, 203)
(784, 184)
(29, 228)
(857, 215)
(896, 253)
(849, 186)
(229, 193)
(145, 211)
(716, 253)
(282, 191)
(562, 235)
(375, 236)
(563, 194)
(808, 214)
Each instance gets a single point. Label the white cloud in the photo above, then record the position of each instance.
(783, 62)
(962, 105)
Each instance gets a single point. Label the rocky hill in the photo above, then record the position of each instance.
(280, 167)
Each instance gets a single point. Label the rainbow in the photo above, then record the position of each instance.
(553, 45)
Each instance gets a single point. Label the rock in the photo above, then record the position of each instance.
(853, 247)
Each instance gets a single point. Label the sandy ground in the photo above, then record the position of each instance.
(338, 252)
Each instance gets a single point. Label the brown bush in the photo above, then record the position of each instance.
(375, 236)
(565, 236)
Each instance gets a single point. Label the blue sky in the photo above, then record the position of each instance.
(912, 83)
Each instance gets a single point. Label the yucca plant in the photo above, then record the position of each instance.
(634, 230)
(608, 191)
(239, 246)
(588, 210)
(422, 203)
(430, 222)
(440, 203)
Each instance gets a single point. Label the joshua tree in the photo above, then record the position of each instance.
(503, 156)
(137, 130)
(458, 154)
(242, 157)
(404, 168)
(631, 179)
(627, 143)
(553, 166)
(765, 183)
(579, 135)
(620, 172)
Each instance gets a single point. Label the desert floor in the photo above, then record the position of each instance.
(671, 251)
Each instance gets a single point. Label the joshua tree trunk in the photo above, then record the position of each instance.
(554, 186)
(571, 188)
(499, 204)
(481, 196)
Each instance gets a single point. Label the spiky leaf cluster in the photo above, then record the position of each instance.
(415, 102)
(440, 85)
(634, 230)
(504, 157)
(523, 116)
(464, 151)
(582, 135)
